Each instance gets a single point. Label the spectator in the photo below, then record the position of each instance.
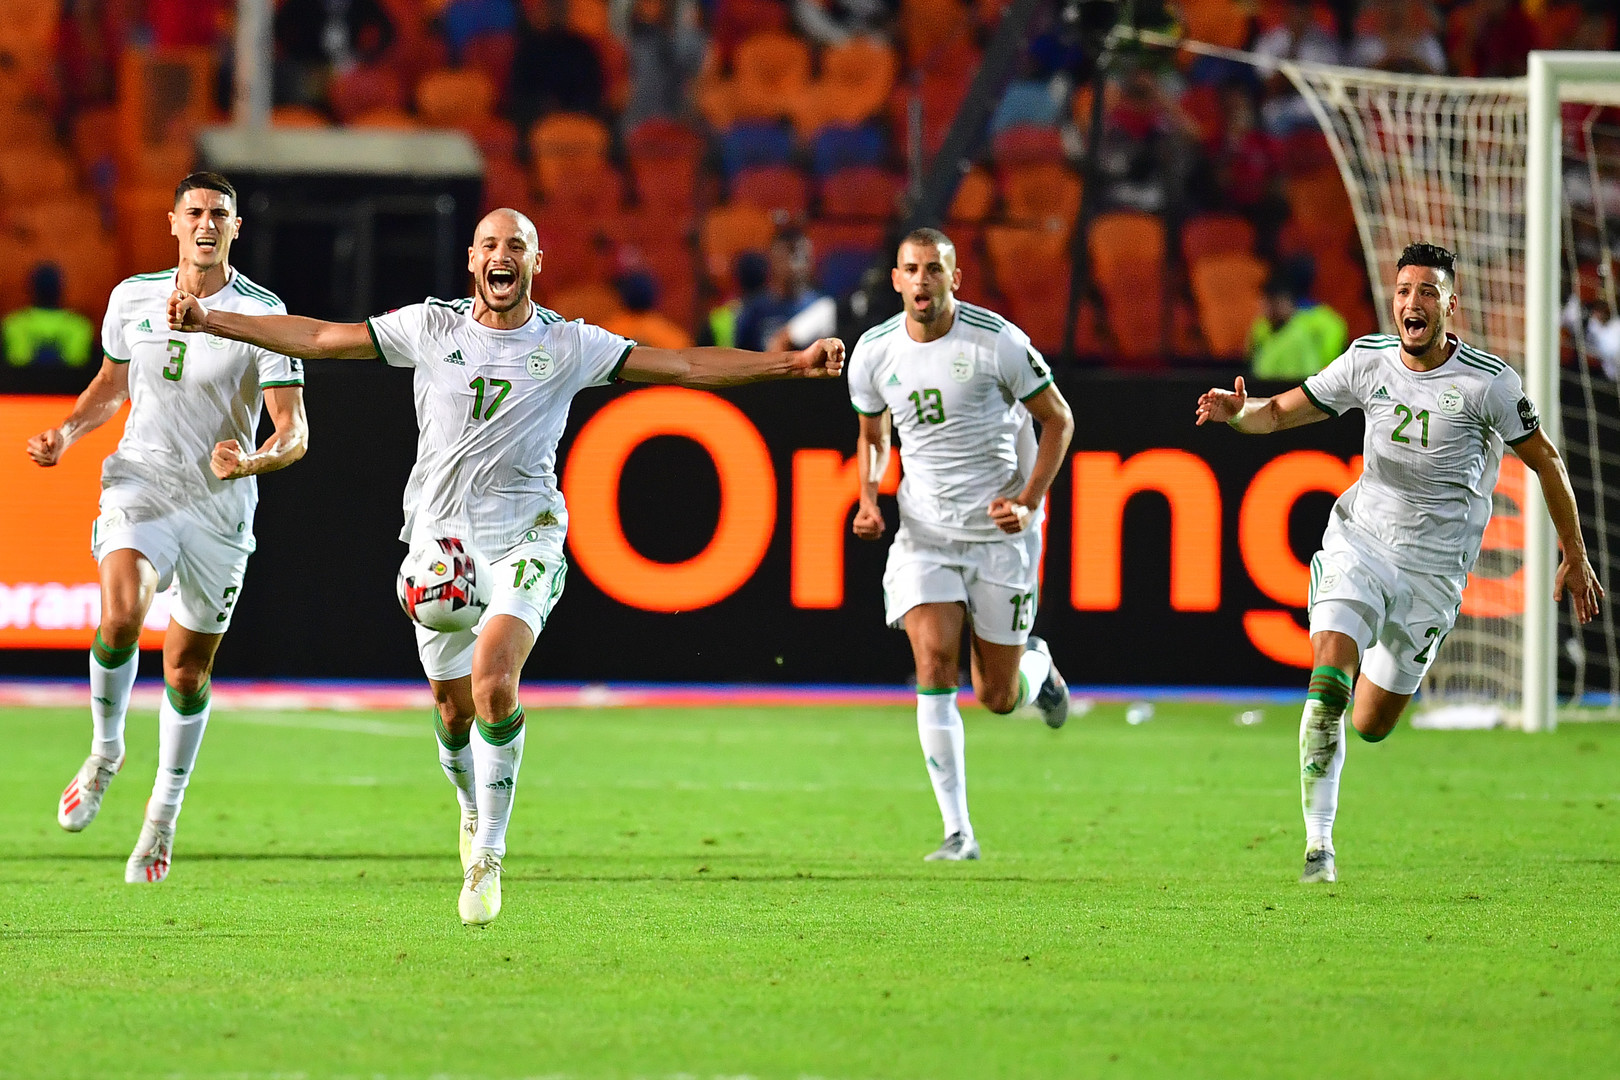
(639, 322)
(464, 20)
(1602, 330)
(1248, 160)
(833, 22)
(317, 38)
(666, 44)
(1145, 146)
(1297, 37)
(1397, 36)
(788, 291)
(752, 271)
(1294, 337)
(554, 66)
(1490, 39)
(44, 333)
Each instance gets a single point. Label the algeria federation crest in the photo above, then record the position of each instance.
(1451, 402)
(962, 367)
(541, 365)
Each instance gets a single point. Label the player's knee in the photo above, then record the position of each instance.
(121, 618)
(1374, 728)
(456, 720)
(494, 696)
(187, 677)
(999, 700)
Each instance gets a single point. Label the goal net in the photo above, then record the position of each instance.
(1448, 161)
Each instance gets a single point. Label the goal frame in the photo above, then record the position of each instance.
(1553, 78)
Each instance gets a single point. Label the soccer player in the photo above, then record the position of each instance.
(177, 498)
(494, 377)
(1387, 585)
(962, 384)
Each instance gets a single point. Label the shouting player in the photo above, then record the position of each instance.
(176, 502)
(961, 383)
(1388, 583)
(494, 378)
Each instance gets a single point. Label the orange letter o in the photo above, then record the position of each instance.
(747, 499)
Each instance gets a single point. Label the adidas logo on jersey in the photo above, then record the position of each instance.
(145, 326)
(1380, 394)
(894, 380)
(455, 358)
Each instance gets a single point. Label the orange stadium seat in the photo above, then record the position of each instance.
(90, 270)
(362, 89)
(1320, 208)
(1028, 144)
(770, 75)
(490, 54)
(736, 20)
(856, 80)
(572, 255)
(592, 190)
(1020, 255)
(144, 243)
(1227, 288)
(675, 269)
(827, 235)
(298, 116)
(1215, 234)
(781, 189)
(1218, 22)
(506, 183)
(385, 118)
(28, 172)
(931, 26)
(727, 231)
(455, 98)
(563, 142)
(1045, 194)
(589, 17)
(975, 198)
(593, 303)
(1127, 258)
(861, 191)
(665, 158)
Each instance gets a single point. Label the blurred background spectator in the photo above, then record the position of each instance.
(43, 334)
(1295, 336)
(1297, 37)
(788, 290)
(554, 66)
(751, 271)
(666, 46)
(639, 320)
(318, 39)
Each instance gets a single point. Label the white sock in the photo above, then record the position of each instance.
(457, 763)
(1033, 668)
(109, 702)
(1321, 760)
(939, 729)
(179, 737)
(495, 773)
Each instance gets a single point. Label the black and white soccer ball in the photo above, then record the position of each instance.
(445, 584)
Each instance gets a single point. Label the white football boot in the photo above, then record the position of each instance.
(481, 890)
(958, 847)
(1319, 867)
(81, 799)
(149, 862)
(469, 829)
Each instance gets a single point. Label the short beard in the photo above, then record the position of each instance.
(927, 316)
(518, 296)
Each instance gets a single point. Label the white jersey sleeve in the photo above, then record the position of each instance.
(1336, 389)
(601, 354)
(113, 343)
(399, 336)
(1019, 365)
(274, 368)
(863, 391)
(1508, 409)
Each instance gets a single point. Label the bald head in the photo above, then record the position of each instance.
(506, 221)
(503, 259)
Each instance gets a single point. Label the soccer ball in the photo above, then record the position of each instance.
(445, 584)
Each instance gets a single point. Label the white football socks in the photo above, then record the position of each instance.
(457, 763)
(110, 688)
(182, 719)
(497, 752)
(1033, 668)
(1321, 754)
(939, 729)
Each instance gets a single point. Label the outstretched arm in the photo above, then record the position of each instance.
(289, 335)
(1257, 416)
(284, 446)
(1575, 570)
(872, 461)
(1051, 411)
(824, 359)
(99, 403)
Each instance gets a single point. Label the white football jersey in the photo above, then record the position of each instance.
(491, 406)
(965, 435)
(188, 392)
(1432, 448)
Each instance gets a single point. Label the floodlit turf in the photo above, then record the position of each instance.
(729, 892)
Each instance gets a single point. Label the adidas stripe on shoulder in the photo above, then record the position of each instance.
(884, 328)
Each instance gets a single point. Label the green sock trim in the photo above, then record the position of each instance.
(503, 731)
(1023, 689)
(1330, 686)
(450, 742)
(935, 691)
(109, 657)
(190, 704)
(1370, 738)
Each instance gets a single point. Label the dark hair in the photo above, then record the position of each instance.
(638, 290)
(1430, 255)
(210, 181)
(1292, 277)
(751, 271)
(926, 235)
(45, 285)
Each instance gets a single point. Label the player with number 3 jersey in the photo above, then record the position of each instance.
(1387, 585)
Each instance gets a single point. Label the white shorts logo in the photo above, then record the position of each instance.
(541, 365)
(1451, 402)
(962, 367)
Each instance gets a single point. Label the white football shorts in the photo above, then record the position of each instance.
(998, 580)
(205, 564)
(529, 580)
(1397, 617)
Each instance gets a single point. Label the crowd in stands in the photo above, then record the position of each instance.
(710, 169)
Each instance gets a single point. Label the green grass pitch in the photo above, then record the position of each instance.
(740, 892)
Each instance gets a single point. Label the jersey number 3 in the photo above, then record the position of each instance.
(177, 361)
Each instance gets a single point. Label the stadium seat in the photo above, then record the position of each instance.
(592, 190)
(755, 143)
(780, 189)
(837, 148)
(1045, 194)
(1218, 22)
(839, 272)
(564, 142)
(28, 173)
(1127, 259)
(1227, 288)
(90, 270)
(827, 235)
(975, 198)
(857, 77)
(143, 227)
(1341, 281)
(727, 231)
(941, 96)
(591, 302)
(506, 183)
(362, 89)
(298, 116)
(491, 54)
(664, 157)
(676, 271)
(930, 27)
(455, 98)
(734, 21)
(770, 75)
(573, 256)
(385, 117)
(861, 191)
(1028, 144)
(1215, 234)
(1020, 255)
(590, 17)
(1320, 207)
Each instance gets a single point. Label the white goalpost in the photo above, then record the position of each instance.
(1477, 166)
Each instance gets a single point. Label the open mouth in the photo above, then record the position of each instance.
(207, 243)
(1414, 325)
(501, 280)
(922, 303)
